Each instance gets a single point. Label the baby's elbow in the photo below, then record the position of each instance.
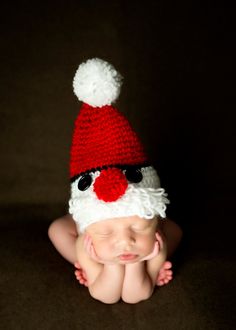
(134, 300)
(103, 297)
(137, 297)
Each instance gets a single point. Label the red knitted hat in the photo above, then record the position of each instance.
(110, 174)
(102, 137)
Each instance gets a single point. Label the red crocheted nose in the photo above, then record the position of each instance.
(110, 185)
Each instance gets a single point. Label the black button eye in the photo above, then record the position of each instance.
(84, 182)
(134, 175)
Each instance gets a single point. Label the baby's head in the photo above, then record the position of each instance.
(123, 240)
(111, 177)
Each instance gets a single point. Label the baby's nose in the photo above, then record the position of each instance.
(110, 185)
(125, 239)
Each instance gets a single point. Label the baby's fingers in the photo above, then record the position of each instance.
(88, 245)
(159, 240)
(154, 253)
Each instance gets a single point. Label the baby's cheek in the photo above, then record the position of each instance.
(147, 244)
(102, 249)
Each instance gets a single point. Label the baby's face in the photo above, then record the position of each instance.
(123, 240)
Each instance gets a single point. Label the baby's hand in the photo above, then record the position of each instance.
(158, 245)
(89, 248)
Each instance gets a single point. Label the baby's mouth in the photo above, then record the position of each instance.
(127, 257)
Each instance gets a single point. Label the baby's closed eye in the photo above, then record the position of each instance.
(103, 233)
(141, 227)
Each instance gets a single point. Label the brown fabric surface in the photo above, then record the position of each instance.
(177, 62)
(39, 290)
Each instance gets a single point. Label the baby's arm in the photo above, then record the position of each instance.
(140, 277)
(137, 284)
(108, 285)
(104, 280)
(154, 265)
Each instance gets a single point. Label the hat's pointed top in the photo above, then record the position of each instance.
(97, 83)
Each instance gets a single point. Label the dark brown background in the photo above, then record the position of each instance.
(177, 61)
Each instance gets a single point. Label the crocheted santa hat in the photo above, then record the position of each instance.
(108, 165)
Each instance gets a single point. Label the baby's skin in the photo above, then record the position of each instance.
(115, 257)
(122, 259)
(164, 276)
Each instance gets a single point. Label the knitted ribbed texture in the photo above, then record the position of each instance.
(110, 173)
(145, 199)
(103, 137)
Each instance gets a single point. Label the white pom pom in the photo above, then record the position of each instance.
(97, 83)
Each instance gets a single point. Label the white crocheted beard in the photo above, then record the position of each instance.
(145, 199)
